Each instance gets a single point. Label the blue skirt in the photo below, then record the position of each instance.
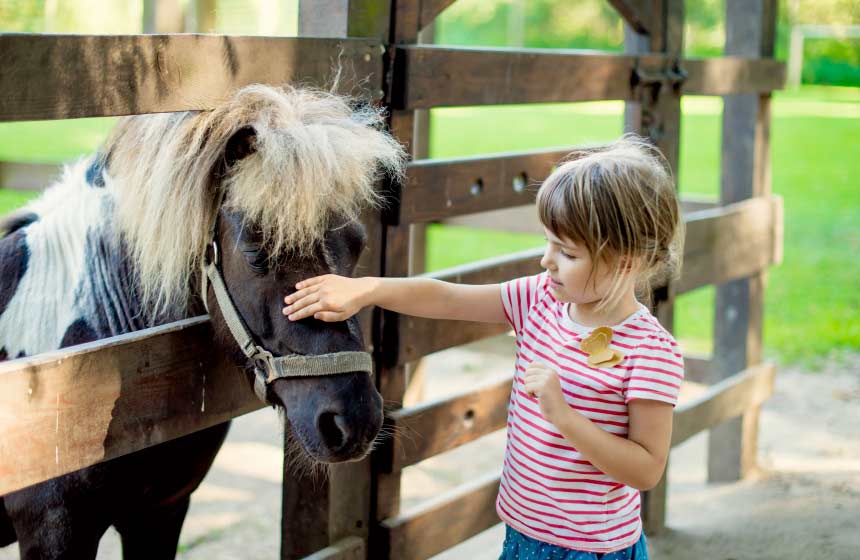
(518, 546)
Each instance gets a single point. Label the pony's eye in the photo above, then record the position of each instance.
(255, 255)
(258, 261)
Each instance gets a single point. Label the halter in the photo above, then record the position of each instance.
(267, 367)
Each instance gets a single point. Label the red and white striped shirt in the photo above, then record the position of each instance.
(549, 491)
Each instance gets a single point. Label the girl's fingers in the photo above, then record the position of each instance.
(329, 316)
(295, 296)
(305, 312)
(310, 282)
(301, 303)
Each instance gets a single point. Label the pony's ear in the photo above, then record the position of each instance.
(240, 145)
(16, 220)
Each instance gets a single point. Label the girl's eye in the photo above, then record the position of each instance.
(567, 255)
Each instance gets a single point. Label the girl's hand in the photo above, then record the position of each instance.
(542, 382)
(328, 298)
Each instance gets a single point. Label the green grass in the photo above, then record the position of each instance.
(812, 303)
(10, 200)
(51, 141)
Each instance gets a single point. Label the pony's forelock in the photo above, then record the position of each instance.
(314, 156)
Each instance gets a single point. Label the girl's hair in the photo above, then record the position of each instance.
(619, 202)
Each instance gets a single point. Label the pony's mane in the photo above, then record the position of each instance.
(314, 156)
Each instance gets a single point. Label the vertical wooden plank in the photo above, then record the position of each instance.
(316, 513)
(397, 262)
(657, 114)
(750, 28)
(415, 373)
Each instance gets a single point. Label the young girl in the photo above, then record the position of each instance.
(597, 376)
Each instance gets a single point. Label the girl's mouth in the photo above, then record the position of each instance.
(555, 284)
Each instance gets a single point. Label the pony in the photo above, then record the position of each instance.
(272, 180)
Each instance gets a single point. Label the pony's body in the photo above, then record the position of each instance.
(67, 257)
(275, 177)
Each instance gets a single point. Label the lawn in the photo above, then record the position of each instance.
(812, 305)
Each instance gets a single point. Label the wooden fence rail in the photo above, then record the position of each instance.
(446, 76)
(71, 76)
(65, 410)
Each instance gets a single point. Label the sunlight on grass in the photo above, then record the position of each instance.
(10, 200)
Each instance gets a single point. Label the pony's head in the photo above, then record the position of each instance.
(279, 175)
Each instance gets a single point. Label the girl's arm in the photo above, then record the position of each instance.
(336, 298)
(637, 460)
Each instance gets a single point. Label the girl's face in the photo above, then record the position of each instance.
(570, 270)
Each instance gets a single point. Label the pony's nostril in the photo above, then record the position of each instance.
(333, 429)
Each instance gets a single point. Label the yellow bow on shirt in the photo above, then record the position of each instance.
(596, 345)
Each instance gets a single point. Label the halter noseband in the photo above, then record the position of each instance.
(267, 367)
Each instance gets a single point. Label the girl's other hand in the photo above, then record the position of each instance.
(542, 383)
(328, 298)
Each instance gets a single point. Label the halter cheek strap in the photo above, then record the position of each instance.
(267, 367)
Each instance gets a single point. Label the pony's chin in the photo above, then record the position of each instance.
(320, 454)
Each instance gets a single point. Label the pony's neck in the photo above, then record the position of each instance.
(78, 271)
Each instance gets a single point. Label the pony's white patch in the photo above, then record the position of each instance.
(44, 304)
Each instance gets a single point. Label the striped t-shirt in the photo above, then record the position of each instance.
(548, 490)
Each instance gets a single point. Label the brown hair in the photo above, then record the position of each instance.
(618, 201)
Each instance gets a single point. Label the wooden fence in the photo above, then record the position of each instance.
(356, 513)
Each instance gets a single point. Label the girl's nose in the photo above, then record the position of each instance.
(546, 261)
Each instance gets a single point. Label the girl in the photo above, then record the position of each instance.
(597, 376)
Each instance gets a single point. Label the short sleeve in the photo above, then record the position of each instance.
(519, 295)
(656, 370)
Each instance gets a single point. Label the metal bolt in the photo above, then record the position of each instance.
(476, 188)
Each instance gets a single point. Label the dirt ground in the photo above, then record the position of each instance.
(804, 501)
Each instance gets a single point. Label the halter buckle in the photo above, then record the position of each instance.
(211, 254)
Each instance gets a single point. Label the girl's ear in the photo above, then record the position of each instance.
(629, 263)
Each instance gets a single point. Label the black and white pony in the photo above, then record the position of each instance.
(279, 175)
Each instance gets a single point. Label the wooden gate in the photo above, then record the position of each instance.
(112, 392)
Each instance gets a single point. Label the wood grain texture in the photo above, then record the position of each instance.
(350, 548)
(745, 173)
(435, 427)
(65, 410)
(70, 76)
(732, 75)
(723, 401)
(731, 242)
(440, 524)
(445, 76)
(442, 188)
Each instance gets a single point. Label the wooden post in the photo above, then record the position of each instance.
(404, 254)
(415, 373)
(750, 29)
(657, 115)
(320, 513)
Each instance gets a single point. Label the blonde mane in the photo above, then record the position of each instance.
(314, 157)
